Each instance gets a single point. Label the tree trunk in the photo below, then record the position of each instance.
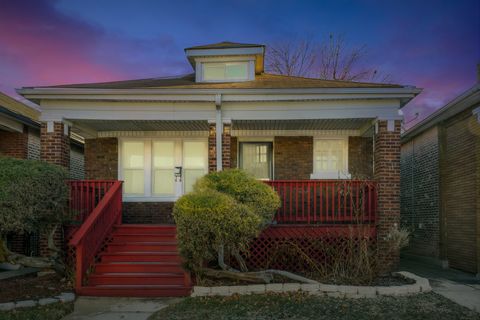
(253, 277)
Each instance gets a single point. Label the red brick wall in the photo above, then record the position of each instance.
(55, 146)
(147, 212)
(101, 159)
(360, 157)
(226, 145)
(387, 175)
(293, 157)
(14, 144)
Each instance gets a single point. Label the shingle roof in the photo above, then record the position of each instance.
(18, 107)
(262, 81)
(225, 45)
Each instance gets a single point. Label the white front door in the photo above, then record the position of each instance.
(164, 169)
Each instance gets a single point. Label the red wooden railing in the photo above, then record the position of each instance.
(90, 237)
(326, 201)
(85, 196)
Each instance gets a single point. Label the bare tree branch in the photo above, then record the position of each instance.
(331, 59)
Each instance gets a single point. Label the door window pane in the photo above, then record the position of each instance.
(163, 182)
(256, 159)
(163, 167)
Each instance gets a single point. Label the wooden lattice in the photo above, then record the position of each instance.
(297, 248)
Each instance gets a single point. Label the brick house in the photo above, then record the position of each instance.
(440, 184)
(302, 136)
(20, 138)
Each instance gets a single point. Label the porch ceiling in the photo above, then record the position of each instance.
(143, 125)
(308, 124)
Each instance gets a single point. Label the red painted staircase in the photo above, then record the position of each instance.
(140, 261)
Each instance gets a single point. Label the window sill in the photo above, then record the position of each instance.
(330, 175)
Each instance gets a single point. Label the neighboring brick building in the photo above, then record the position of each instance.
(20, 138)
(440, 188)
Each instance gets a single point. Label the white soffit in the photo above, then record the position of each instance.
(143, 125)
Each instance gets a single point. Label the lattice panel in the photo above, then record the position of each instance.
(303, 248)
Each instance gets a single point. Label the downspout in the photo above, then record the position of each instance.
(218, 130)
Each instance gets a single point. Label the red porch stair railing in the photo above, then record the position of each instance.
(104, 198)
(326, 201)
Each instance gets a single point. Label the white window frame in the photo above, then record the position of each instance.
(200, 66)
(148, 168)
(343, 174)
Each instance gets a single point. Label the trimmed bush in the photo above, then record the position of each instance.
(205, 220)
(33, 195)
(226, 210)
(244, 188)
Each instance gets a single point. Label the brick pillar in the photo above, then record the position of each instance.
(54, 148)
(212, 149)
(226, 145)
(55, 144)
(387, 176)
(14, 144)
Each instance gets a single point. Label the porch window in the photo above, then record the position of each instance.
(256, 159)
(134, 167)
(330, 159)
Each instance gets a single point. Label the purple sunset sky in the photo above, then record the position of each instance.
(434, 45)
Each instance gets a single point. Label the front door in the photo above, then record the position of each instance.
(163, 169)
(256, 159)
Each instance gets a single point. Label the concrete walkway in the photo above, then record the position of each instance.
(102, 308)
(460, 287)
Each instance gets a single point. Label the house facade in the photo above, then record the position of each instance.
(160, 135)
(440, 165)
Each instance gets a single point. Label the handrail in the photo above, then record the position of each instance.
(326, 201)
(93, 232)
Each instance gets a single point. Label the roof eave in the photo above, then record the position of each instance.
(462, 102)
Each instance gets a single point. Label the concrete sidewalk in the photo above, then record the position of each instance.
(103, 308)
(458, 286)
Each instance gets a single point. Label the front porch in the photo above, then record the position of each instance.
(298, 158)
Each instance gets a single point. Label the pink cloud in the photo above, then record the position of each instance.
(41, 46)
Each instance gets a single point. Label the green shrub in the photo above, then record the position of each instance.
(33, 195)
(244, 188)
(208, 219)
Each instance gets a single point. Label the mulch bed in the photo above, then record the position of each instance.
(32, 287)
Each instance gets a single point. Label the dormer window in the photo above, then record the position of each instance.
(225, 71)
(226, 61)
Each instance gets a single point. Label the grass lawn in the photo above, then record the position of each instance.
(53, 311)
(302, 307)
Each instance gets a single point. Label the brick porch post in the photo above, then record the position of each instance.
(212, 149)
(226, 145)
(387, 176)
(54, 148)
